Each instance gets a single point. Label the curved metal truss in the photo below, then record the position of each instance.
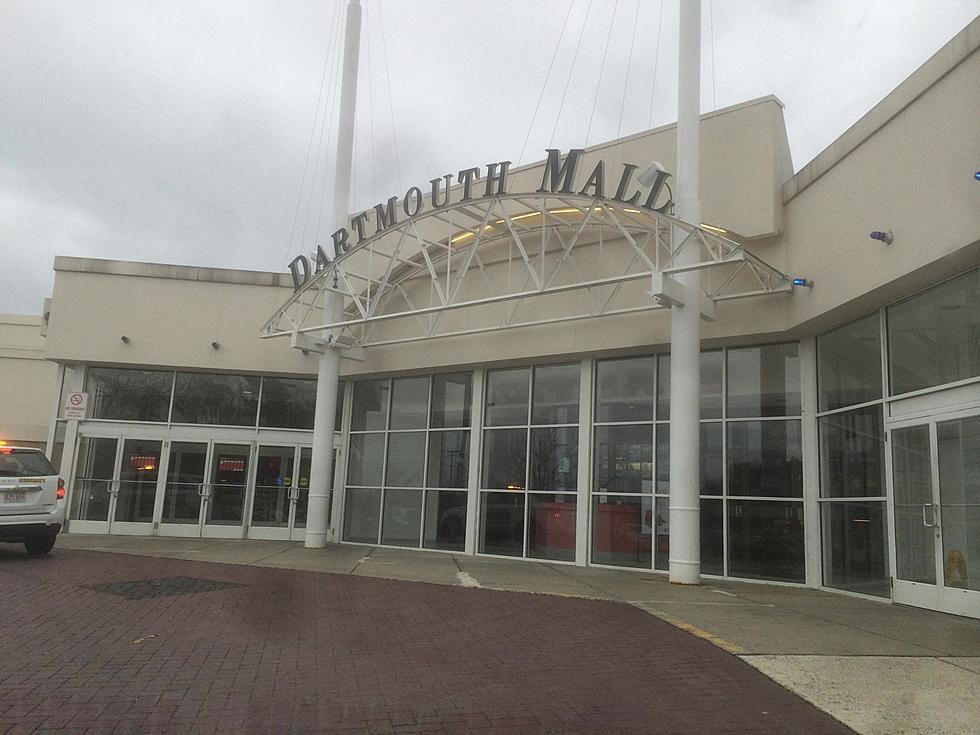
(515, 260)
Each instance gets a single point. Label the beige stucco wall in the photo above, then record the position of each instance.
(26, 381)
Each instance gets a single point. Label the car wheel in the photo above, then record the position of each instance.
(40, 546)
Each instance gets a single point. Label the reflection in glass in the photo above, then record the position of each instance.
(765, 540)
(849, 364)
(933, 337)
(288, 403)
(622, 530)
(855, 556)
(624, 459)
(229, 473)
(765, 458)
(273, 479)
(366, 459)
(449, 458)
(362, 512)
(852, 454)
(402, 517)
(203, 398)
(712, 536)
(502, 523)
(445, 520)
(551, 526)
(138, 481)
(554, 459)
(712, 371)
(504, 458)
(451, 399)
(406, 459)
(915, 548)
(185, 475)
(507, 397)
(556, 394)
(96, 462)
(959, 489)
(624, 389)
(129, 395)
(764, 381)
(409, 403)
(370, 410)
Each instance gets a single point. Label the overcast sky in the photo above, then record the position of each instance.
(179, 132)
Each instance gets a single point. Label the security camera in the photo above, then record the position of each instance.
(215, 345)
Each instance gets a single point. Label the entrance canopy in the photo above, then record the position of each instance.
(515, 260)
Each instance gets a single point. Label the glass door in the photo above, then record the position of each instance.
(183, 492)
(94, 486)
(223, 509)
(935, 475)
(136, 487)
(281, 496)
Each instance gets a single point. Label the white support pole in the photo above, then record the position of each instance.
(685, 326)
(328, 373)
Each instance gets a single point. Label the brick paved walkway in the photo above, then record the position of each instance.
(288, 651)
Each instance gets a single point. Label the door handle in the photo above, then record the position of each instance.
(926, 523)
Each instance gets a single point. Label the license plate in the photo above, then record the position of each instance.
(13, 497)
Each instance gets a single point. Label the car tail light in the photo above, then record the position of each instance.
(61, 489)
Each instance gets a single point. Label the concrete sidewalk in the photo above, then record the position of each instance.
(879, 668)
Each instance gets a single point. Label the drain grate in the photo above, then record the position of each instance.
(144, 589)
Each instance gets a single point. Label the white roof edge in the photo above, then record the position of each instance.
(957, 50)
(66, 263)
(28, 320)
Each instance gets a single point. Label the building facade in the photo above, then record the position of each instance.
(840, 422)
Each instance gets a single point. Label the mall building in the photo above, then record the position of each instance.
(505, 381)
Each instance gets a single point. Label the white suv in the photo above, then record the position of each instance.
(32, 499)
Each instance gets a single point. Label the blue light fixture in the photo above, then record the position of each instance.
(977, 175)
(886, 237)
(805, 283)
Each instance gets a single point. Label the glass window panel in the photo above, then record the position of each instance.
(445, 520)
(765, 458)
(663, 458)
(959, 491)
(554, 459)
(764, 381)
(712, 536)
(855, 555)
(96, 463)
(852, 454)
(185, 473)
(849, 364)
(366, 459)
(129, 395)
(507, 397)
(362, 513)
(712, 372)
(622, 530)
(406, 459)
(504, 458)
(452, 395)
(710, 459)
(765, 540)
(556, 394)
(370, 411)
(915, 549)
(229, 473)
(449, 458)
(502, 523)
(273, 479)
(624, 389)
(934, 338)
(288, 403)
(409, 403)
(303, 484)
(204, 398)
(339, 415)
(551, 526)
(623, 459)
(138, 481)
(402, 521)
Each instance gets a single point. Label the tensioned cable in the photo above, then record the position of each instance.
(554, 55)
(309, 146)
(571, 68)
(711, 33)
(322, 157)
(391, 102)
(629, 64)
(656, 64)
(602, 69)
